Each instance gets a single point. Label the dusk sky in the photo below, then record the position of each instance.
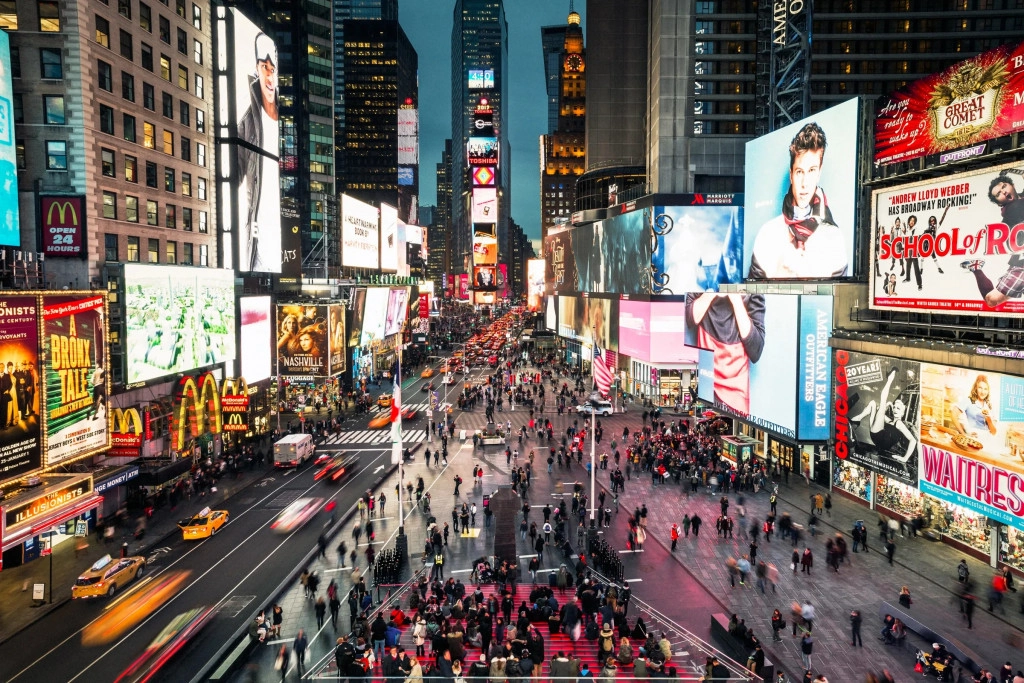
(428, 23)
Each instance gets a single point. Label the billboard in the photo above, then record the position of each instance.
(359, 233)
(398, 307)
(178, 319)
(355, 331)
(338, 339)
(19, 386)
(374, 315)
(877, 413)
(652, 331)
(479, 79)
(534, 284)
(950, 245)
(503, 290)
(302, 340)
(462, 287)
(551, 314)
(10, 231)
(482, 151)
(799, 209)
(482, 121)
(63, 225)
(406, 176)
(752, 339)
(75, 376)
(388, 237)
(485, 205)
(815, 376)
(257, 333)
(485, 252)
(408, 136)
(978, 99)
(697, 245)
(613, 255)
(253, 66)
(589, 319)
(485, 277)
(560, 262)
(972, 440)
(482, 176)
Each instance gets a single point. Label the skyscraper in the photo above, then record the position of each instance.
(552, 39)
(439, 230)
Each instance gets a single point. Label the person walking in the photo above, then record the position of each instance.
(335, 606)
(321, 610)
(807, 561)
(299, 645)
(695, 522)
(855, 622)
(686, 525)
(778, 625)
(890, 549)
(963, 572)
(674, 534)
(806, 647)
(282, 661)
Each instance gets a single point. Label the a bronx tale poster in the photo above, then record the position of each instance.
(19, 384)
(75, 375)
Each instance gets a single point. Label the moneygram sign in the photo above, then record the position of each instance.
(63, 225)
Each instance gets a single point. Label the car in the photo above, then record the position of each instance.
(168, 643)
(204, 524)
(603, 408)
(296, 515)
(106, 575)
(448, 379)
(409, 413)
(129, 610)
(380, 421)
(427, 386)
(427, 373)
(384, 400)
(338, 466)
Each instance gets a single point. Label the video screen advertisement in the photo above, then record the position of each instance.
(551, 313)
(589, 319)
(302, 340)
(178, 319)
(253, 71)
(485, 205)
(462, 287)
(257, 338)
(75, 376)
(338, 339)
(814, 391)
(360, 242)
(801, 196)
(560, 262)
(485, 278)
(355, 330)
(698, 245)
(651, 331)
(398, 306)
(388, 237)
(534, 284)
(752, 341)
(613, 255)
(374, 314)
(10, 230)
(972, 440)
(951, 245)
(19, 387)
(877, 413)
(970, 102)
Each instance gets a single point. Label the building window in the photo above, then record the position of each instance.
(106, 76)
(150, 174)
(9, 15)
(186, 254)
(186, 184)
(180, 8)
(204, 255)
(148, 135)
(131, 209)
(168, 180)
(200, 119)
(53, 109)
(128, 123)
(171, 216)
(149, 97)
(151, 212)
(168, 105)
(110, 205)
(165, 30)
(124, 8)
(165, 68)
(203, 227)
(106, 119)
(145, 18)
(197, 17)
(127, 86)
(199, 86)
(56, 155)
(127, 46)
(154, 251)
(49, 17)
(51, 64)
(131, 169)
(107, 162)
(201, 188)
(147, 56)
(183, 113)
(197, 51)
(19, 156)
(186, 219)
(201, 154)
(182, 41)
(133, 249)
(186, 149)
(172, 252)
(183, 78)
(168, 143)
(19, 108)
(110, 247)
(102, 31)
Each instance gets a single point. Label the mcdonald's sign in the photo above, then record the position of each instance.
(127, 428)
(234, 402)
(63, 225)
(197, 408)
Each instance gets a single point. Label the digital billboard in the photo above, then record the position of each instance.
(178, 319)
(485, 253)
(697, 245)
(485, 205)
(753, 341)
(398, 306)
(19, 386)
(877, 413)
(63, 224)
(534, 284)
(950, 245)
(485, 277)
(10, 231)
(356, 329)
(359, 234)
(302, 340)
(972, 440)
(801, 196)
(406, 176)
(589, 319)
(75, 377)
(462, 287)
(408, 136)
(815, 375)
(338, 339)
(374, 315)
(560, 262)
(551, 313)
(652, 331)
(257, 338)
(482, 121)
(972, 101)
(388, 237)
(482, 151)
(253, 66)
(503, 291)
(483, 176)
(479, 79)
(613, 255)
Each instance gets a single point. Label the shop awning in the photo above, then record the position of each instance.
(18, 535)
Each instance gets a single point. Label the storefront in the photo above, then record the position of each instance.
(35, 519)
(663, 386)
(739, 450)
(113, 485)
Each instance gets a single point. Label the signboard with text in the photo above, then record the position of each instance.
(63, 225)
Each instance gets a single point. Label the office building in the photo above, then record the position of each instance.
(439, 233)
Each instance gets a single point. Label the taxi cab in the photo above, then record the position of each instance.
(106, 575)
(203, 525)
(384, 400)
(379, 421)
(427, 373)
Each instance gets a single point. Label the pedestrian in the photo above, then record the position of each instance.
(967, 604)
(855, 622)
(778, 625)
(335, 605)
(695, 522)
(963, 572)
(828, 504)
(674, 534)
(806, 647)
(276, 617)
(890, 549)
(686, 525)
(321, 543)
(299, 645)
(321, 611)
(458, 483)
(282, 661)
(807, 561)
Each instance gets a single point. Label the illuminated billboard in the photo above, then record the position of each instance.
(63, 224)
(972, 101)
(374, 315)
(534, 284)
(19, 386)
(480, 79)
(408, 136)
(485, 252)
(560, 262)
(588, 319)
(338, 339)
(485, 205)
(483, 176)
(482, 151)
(178, 319)
(485, 277)
(406, 176)
(613, 255)
(10, 231)
(653, 332)
(257, 334)
(355, 330)
(462, 287)
(359, 234)
(698, 245)
(800, 210)
(302, 340)
(388, 237)
(398, 306)
(950, 245)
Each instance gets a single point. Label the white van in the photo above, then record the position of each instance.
(603, 408)
(293, 450)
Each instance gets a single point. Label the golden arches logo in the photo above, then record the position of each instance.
(126, 420)
(234, 387)
(198, 407)
(62, 207)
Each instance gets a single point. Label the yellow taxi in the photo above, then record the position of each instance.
(384, 400)
(203, 525)
(106, 575)
(427, 373)
(380, 421)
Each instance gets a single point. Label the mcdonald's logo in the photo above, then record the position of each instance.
(198, 408)
(62, 209)
(234, 396)
(127, 428)
(236, 423)
(63, 225)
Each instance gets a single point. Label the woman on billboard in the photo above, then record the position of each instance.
(887, 422)
(975, 413)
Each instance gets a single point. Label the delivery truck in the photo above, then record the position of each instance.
(293, 450)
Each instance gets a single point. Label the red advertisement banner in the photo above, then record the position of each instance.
(63, 225)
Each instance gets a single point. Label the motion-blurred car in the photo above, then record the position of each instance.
(338, 466)
(448, 379)
(106, 575)
(384, 400)
(296, 515)
(427, 386)
(128, 611)
(603, 408)
(410, 414)
(427, 373)
(171, 640)
(380, 421)
(203, 525)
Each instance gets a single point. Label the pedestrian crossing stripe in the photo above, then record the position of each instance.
(470, 533)
(374, 436)
(406, 406)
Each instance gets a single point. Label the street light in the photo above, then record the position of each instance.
(593, 401)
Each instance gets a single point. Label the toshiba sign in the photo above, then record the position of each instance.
(63, 225)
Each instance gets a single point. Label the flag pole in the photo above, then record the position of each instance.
(397, 457)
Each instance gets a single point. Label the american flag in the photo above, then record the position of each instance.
(602, 369)
(396, 407)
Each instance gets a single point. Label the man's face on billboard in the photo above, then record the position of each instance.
(1003, 193)
(804, 175)
(267, 73)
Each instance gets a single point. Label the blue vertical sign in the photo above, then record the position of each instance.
(10, 231)
(815, 372)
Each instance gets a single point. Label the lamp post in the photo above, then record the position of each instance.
(592, 401)
(398, 458)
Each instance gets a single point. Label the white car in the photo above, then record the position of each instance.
(448, 379)
(603, 408)
(296, 515)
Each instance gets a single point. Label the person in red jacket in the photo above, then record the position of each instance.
(675, 535)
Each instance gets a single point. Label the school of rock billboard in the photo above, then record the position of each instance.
(951, 245)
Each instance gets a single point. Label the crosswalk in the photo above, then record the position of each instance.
(377, 410)
(374, 437)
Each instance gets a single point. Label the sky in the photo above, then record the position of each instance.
(428, 23)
